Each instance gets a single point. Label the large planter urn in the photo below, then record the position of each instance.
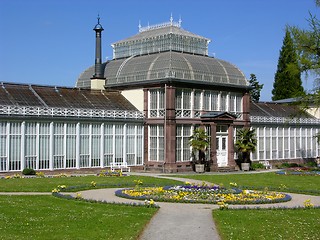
(200, 168)
(245, 166)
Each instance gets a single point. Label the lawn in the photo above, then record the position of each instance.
(47, 217)
(288, 183)
(268, 224)
(47, 184)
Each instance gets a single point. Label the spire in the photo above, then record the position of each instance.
(98, 72)
(180, 21)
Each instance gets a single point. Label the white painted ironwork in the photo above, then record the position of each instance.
(11, 110)
(283, 120)
(160, 25)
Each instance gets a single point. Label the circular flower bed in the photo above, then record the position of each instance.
(203, 194)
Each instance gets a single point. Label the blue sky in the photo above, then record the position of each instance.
(51, 42)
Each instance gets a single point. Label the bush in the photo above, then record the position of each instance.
(256, 165)
(311, 164)
(294, 165)
(289, 165)
(28, 171)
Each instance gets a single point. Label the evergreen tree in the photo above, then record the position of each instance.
(256, 88)
(287, 82)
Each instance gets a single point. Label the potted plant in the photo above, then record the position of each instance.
(199, 143)
(246, 144)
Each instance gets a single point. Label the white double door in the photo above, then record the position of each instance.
(222, 150)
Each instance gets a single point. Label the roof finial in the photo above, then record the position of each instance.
(98, 18)
(180, 21)
(139, 26)
(171, 19)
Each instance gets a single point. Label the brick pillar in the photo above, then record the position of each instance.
(145, 129)
(231, 161)
(170, 129)
(246, 109)
(213, 153)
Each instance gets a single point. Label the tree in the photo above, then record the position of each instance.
(307, 43)
(199, 142)
(256, 88)
(287, 82)
(246, 143)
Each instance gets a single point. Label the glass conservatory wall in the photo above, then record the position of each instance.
(65, 145)
(183, 149)
(281, 142)
(156, 103)
(189, 102)
(156, 143)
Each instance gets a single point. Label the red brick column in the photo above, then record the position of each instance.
(145, 110)
(246, 109)
(231, 161)
(170, 129)
(213, 146)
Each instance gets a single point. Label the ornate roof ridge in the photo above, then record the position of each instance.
(157, 30)
(160, 25)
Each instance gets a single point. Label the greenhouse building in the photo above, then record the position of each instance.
(140, 109)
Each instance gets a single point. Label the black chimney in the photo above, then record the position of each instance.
(98, 71)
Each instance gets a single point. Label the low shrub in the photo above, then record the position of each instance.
(289, 165)
(28, 171)
(311, 164)
(256, 165)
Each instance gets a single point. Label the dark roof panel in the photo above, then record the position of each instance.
(21, 95)
(62, 97)
(271, 109)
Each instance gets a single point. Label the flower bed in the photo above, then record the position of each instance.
(299, 171)
(203, 194)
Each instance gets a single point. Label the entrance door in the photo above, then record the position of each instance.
(222, 150)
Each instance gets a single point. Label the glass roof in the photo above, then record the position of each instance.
(168, 65)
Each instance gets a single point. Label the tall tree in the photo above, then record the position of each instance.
(287, 82)
(307, 42)
(256, 88)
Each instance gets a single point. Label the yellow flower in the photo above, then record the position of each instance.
(233, 184)
(78, 196)
(307, 203)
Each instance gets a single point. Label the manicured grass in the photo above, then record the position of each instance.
(47, 217)
(287, 183)
(268, 224)
(47, 184)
